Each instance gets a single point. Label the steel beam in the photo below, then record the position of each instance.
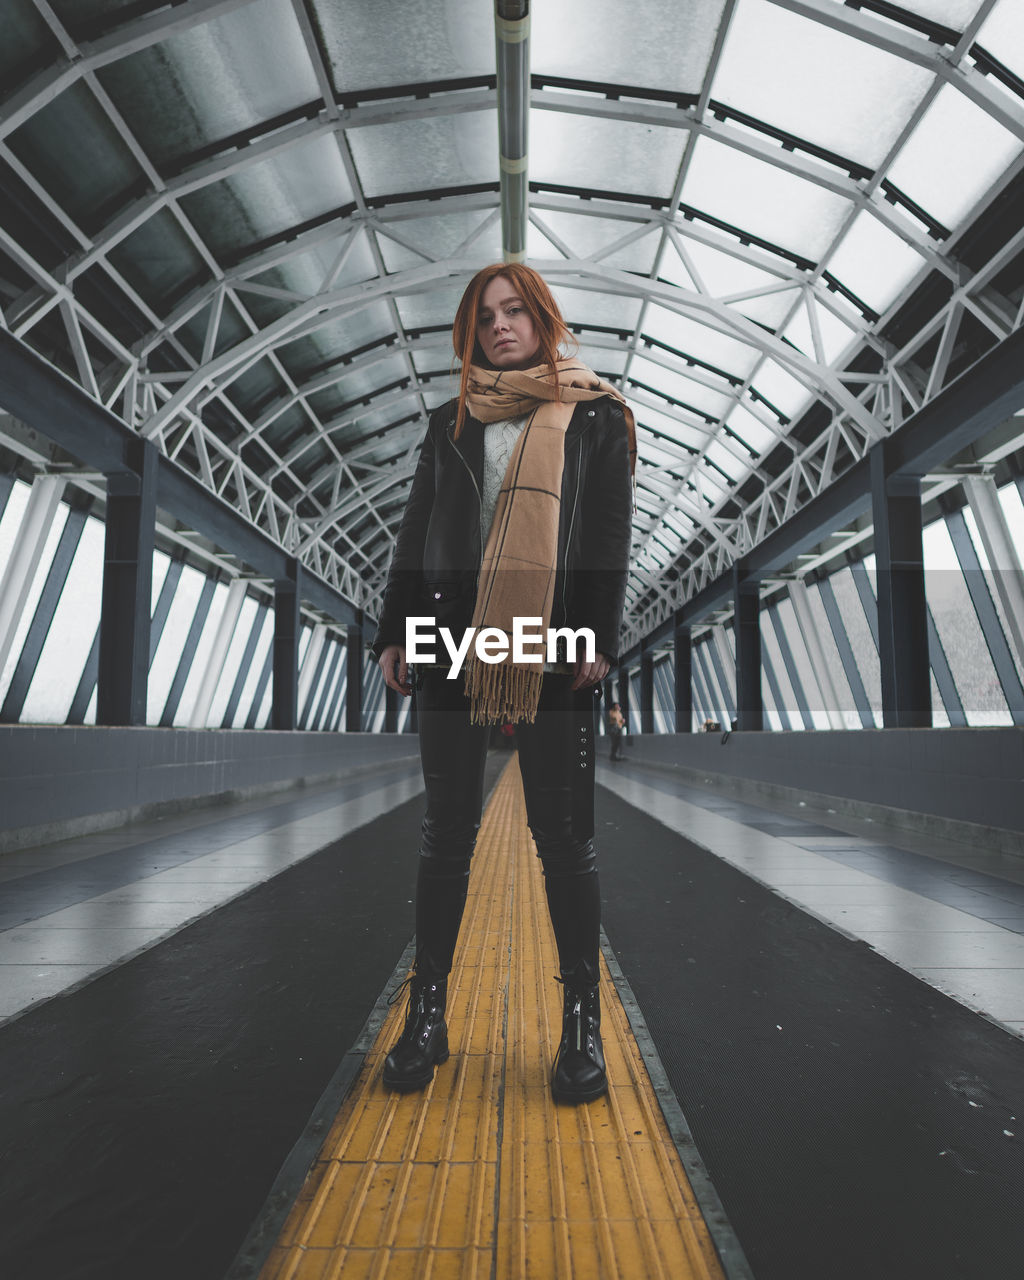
(683, 645)
(287, 629)
(902, 604)
(123, 675)
(747, 629)
(354, 681)
(40, 396)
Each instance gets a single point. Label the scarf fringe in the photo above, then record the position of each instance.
(502, 691)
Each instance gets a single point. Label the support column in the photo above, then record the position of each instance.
(902, 604)
(122, 685)
(647, 693)
(354, 674)
(747, 630)
(684, 679)
(287, 628)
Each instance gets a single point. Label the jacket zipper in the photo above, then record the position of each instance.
(568, 544)
(479, 495)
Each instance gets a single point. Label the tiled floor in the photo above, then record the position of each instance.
(949, 914)
(70, 910)
(953, 915)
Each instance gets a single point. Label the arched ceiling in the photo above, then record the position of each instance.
(781, 225)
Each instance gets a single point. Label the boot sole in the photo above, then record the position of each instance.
(403, 1084)
(562, 1095)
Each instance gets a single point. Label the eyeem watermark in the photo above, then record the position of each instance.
(492, 644)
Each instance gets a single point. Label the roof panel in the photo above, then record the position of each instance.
(953, 157)
(874, 262)
(951, 13)
(825, 86)
(583, 306)
(787, 210)
(442, 151)
(444, 235)
(695, 339)
(589, 237)
(215, 80)
(267, 198)
(27, 45)
(609, 155)
(721, 274)
(659, 47)
(73, 149)
(1002, 34)
(371, 45)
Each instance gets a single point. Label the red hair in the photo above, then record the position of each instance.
(552, 331)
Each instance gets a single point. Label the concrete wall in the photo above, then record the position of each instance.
(58, 781)
(966, 783)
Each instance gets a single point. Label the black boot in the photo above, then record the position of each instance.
(578, 1074)
(424, 1040)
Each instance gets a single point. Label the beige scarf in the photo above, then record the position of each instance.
(517, 573)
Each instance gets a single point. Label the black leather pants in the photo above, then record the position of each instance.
(556, 758)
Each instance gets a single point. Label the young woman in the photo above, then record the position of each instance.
(521, 506)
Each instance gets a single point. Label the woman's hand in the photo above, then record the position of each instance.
(392, 657)
(590, 673)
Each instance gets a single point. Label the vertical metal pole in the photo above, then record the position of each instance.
(684, 680)
(354, 680)
(747, 630)
(123, 675)
(512, 49)
(287, 629)
(902, 605)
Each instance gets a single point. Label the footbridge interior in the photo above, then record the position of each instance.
(233, 235)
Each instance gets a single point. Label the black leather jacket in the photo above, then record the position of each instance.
(437, 552)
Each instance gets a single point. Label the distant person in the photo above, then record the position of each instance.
(616, 728)
(529, 465)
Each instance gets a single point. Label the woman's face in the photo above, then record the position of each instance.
(504, 327)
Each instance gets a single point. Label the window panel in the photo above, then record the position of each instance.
(865, 651)
(960, 632)
(70, 637)
(172, 641)
(38, 579)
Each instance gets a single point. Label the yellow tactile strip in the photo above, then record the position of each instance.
(482, 1174)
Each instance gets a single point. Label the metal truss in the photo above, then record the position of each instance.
(174, 397)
